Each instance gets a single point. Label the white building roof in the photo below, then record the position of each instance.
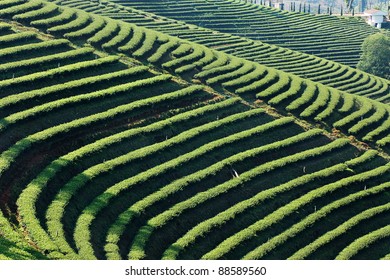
(374, 12)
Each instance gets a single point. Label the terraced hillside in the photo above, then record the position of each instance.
(362, 117)
(327, 72)
(105, 157)
(322, 35)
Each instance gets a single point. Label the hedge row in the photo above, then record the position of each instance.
(6, 40)
(189, 56)
(9, 156)
(44, 12)
(357, 220)
(78, 99)
(309, 220)
(139, 207)
(279, 57)
(81, 21)
(140, 241)
(19, 7)
(45, 60)
(110, 29)
(70, 189)
(363, 242)
(286, 210)
(224, 217)
(30, 194)
(96, 25)
(37, 77)
(124, 32)
(17, 51)
(62, 18)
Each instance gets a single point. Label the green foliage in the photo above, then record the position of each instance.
(51, 90)
(179, 185)
(295, 88)
(229, 214)
(320, 102)
(257, 73)
(81, 20)
(138, 36)
(9, 3)
(95, 26)
(62, 18)
(12, 251)
(355, 115)
(12, 244)
(345, 78)
(7, 157)
(104, 199)
(147, 45)
(42, 61)
(221, 60)
(12, 52)
(140, 240)
(16, 9)
(380, 129)
(197, 53)
(110, 28)
(46, 11)
(280, 86)
(4, 27)
(11, 39)
(30, 194)
(182, 50)
(246, 68)
(54, 73)
(364, 107)
(25, 202)
(355, 221)
(331, 105)
(228, 65)
(125, 30)
(258, 86)
(309, 220)
(380, 112)
(208, 57)
(286, 210)
(376, 55)
(363, 242)
(348, 103)
(164, 49)
(82, 98)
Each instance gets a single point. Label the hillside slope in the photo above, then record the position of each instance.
(330, 37)
(104, 157)
(318, 69)
(362, 117)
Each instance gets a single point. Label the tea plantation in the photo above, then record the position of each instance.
(127, 135)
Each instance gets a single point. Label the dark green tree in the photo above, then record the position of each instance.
(376, 55)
